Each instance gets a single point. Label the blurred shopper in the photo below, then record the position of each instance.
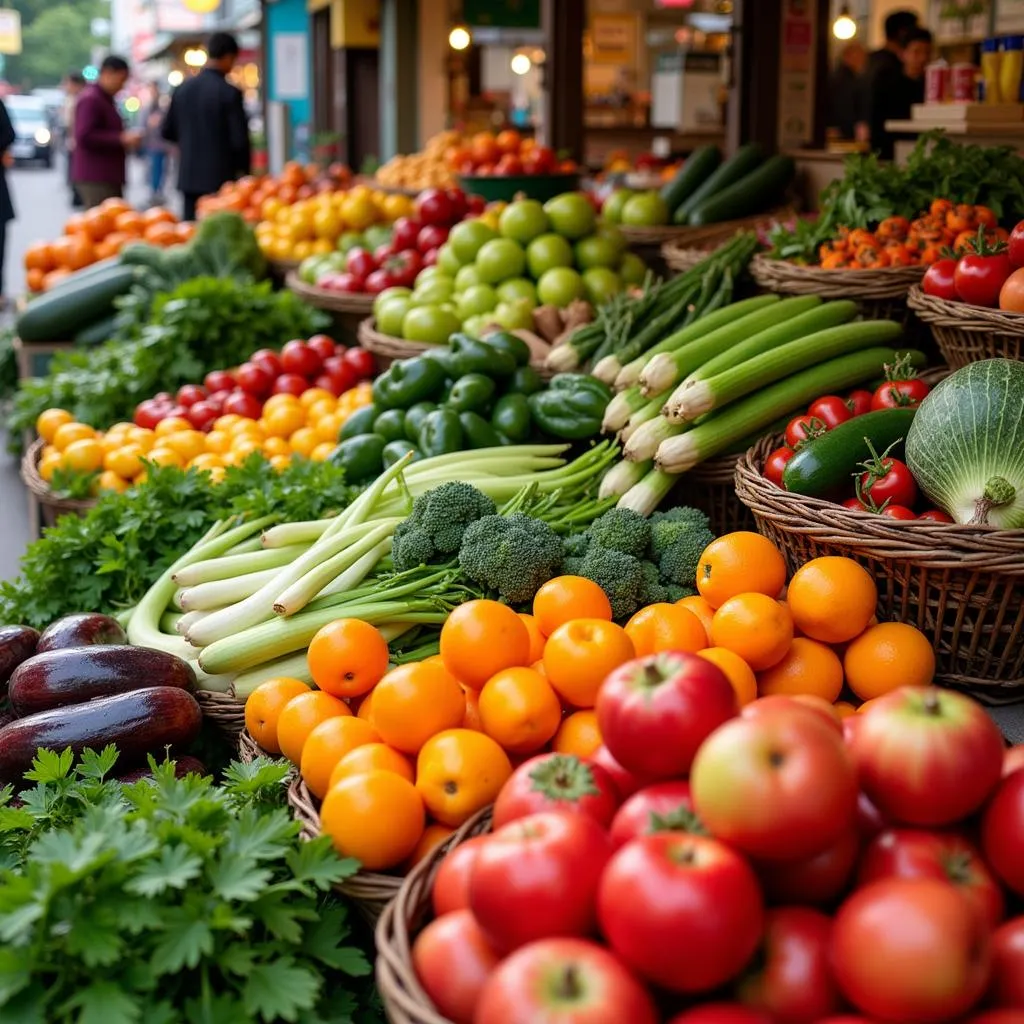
(844, 92)
(7, 137)
(883, 84)
(917, 54)
(73, 86)
(101, 142)
(153, 143)
(208, 123)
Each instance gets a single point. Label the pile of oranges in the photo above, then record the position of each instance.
(97, 235)
(401, 757)
(307, 426)
(427, 169)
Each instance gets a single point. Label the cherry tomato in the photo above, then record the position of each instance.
(859, 402)
(939, 280)
(202, 414)
(339, 369)
(854, 503)
(361, 361)
(899, 394)
(891, 481)
(979, 278)
(801, 428)
(222, 380)
(898, 512)
(776, 463)
(268, 359)
(149, 413)
(322, 345)
(241, 403)
(831, 410)
(290, 384)
(936, 516)
(255, 378)
(298, 358)
(189, 394)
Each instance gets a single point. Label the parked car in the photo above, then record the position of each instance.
(33, 134)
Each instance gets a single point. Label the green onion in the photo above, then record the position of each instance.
(621, 477)
(229, 566)
(222, 592)
(646, 495)
(620, 408)
(644, 441)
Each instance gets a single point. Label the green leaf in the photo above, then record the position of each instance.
(173, 869)
(279, 990)
(187, 939)
(236, 878)
(49, 766)
(104, 1002)
(317, 863)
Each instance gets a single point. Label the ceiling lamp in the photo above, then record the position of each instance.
(844, 27)
(459, 38)
(521, 64)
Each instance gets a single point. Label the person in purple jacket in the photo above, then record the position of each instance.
(101, 142)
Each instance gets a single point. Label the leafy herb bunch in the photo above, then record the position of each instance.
(169, 901)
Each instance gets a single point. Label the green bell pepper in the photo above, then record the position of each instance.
(471, 393)
(515, 347)
(414, 418)
(390, 424)
(479, 433)
(471, 355)
(525, 381)
(408, 382)
(360, 457)
(397, 450)
(441, 433)
(360, 422)
(511, 417)
(572, 408)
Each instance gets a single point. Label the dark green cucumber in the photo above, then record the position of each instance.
(96, 333)
(738, 166)
(60, 314)
(700, 165)
(827, 464)
(754, 193)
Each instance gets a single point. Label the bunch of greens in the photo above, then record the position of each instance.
(205, 324)
(170, 900)
(937, 168)
(107, 559)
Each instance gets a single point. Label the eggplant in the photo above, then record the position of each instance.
(77, 674)
(138, 723)
(85, 630)
(16, 644)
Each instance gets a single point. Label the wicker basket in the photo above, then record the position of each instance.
(248, 748)
(689, 245)
(224, 710)
(966, 333)
(50, 506)
(280, 269)
(962, 586)
(332, 302)
(404, 1000)
(711, 488)
(882, 294)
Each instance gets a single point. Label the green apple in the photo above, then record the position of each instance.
(500, 259)
(514, 316)
(477, 299)
(611, 233)
(596, 251)
(559, 286)
(467, 237)
(376, 235)
(632, 269)
(523, 221)
(547, 252)
(311, 267)
(611, 211)
(466, 278)
(350, 240)
(601, 284)
(434, 292)
(475, 325)
(391, 315)
(430, 274)
(645, 210)
(431, 325)
(517, 288)
(571, 214)
(387, 295)
(447, 261)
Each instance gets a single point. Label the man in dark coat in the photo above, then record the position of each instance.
(208, 124)
(883, 83)
(7, 136)
(844, 92)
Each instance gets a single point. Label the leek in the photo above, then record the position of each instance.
(645, 496)
(644, 441)
(229, 566)
(222, 592)
(620, 408)
(621, 477)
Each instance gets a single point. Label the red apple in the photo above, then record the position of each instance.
(1013, 759)
(626, 782)
(818, 881)
(654, 712)
(780, 702)
(721, 1013)
(564, 981)
(662, 807)
(1007, 985)
(778, 787)
(912, 747)
(1002, 832)
(451, 883)
(433, 206)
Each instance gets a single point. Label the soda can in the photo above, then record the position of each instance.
(937, 83)
(963, 78)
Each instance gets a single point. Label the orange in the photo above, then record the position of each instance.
(263, 708)
(887, 656)
(569, 597)
(85, 456)
(459, 772)
(48, 422)
(327, 744)
(809, 667)
(845, 708)
(520, 710)
(832, 599)
(365, 711)
(579, 655)
(125, 460)
(67, 433)
(433, 836)
(371, 757)
(578, 734)
(536, 638)
(377, 818)
(756, 627)
(472, 719)
(301, 715)
(740, 563)
(736, 670)
(665, 627)
(481, 638)
(414, 702)
(699, 607)
(347, 658)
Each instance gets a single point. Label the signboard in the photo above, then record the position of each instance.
(614, 38)
(10, 32)
(355, 24)
(796, 86)
(291, 66)
(501, 13)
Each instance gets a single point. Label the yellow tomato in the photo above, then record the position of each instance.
(171, 425)
(216, 474)
(322, 247)
(49, 464)
(48, 449)
(121, 428)
(110, 481)
(358, 211)
(302, 250)
(280, 462)
(271, 208)
(281, 250)
(247, 428)
(226, 422)
(396, 205)
(243, 447)
(311, 396)
(48, 422)
(329, 427)
(321, 452)
(318, 410)
(207, 460)
(285, 420)
(303, 441)
(142, 436)
(125, 461)
(218, 441)
(278, 401)
(276, 446)
(67, 433)
(326, 223)
(85, 456)
(187, 443)
(164, 456)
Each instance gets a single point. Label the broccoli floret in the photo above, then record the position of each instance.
(654, 590)
(513, 555)
(576, 544)
(437, 524)
(667, 527)
(620, 576)
(678, 537)
(621, 529)
(674, 592)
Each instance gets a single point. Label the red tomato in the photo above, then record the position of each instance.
(1015, 246)
(898, 512)
(148, 413)
(1007, 985)
(431, 236)
(626, 782)
(328, 384)
(854, 503)
(360, 263)
(323, 346)
(655, 712)
(297, 357)
(911, 853)
(460, 203)
(378, 281)
(564, 981)
(430, 257)
(221, 380)
(1002, 832)
(537, 878)
(940, 280)
(1011, 295)
(869, 818)
(339, 369)
(817, 881)
(683, 911)
(350, 284)
(269, 359)
(996, 1017)
(663, 807)
(290, 384)
(890, 482)
(241, 403)
(509, 166)
(453, 961)
(831, 410)
(476, 204)
(910, 949)
(383, 253)
(557, 782)
(859, 402)
(936, 516)
(721, 1013)
(900, 394)
(910, 747)
(404, 232)
(793, 978)
(434, 206)
(979, 279)
(451, 883)
(801, 428)
(255, 379)
(779, 786)
(202, 414)
(403, 267)
(776, 463)
(174, 410)
(361, 362)
(189, 394)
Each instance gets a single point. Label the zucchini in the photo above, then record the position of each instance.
(700, 165)
(738, 166)
(142, 254)
(59, 315)
(97, 333)
(824, 465)
(754, 193)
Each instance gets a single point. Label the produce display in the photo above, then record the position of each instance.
(427, 169)
(98, 235)
(706, 190)
(507, 154)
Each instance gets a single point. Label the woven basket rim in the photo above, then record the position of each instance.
(962, 316)
(283, 267)
(687, 235)
(321, 298)
(792, 278)
(41, 489)
(387, 345)
(224, 710)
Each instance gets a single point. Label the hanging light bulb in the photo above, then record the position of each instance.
(459, 38)
(844, 27)
(521, 64)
